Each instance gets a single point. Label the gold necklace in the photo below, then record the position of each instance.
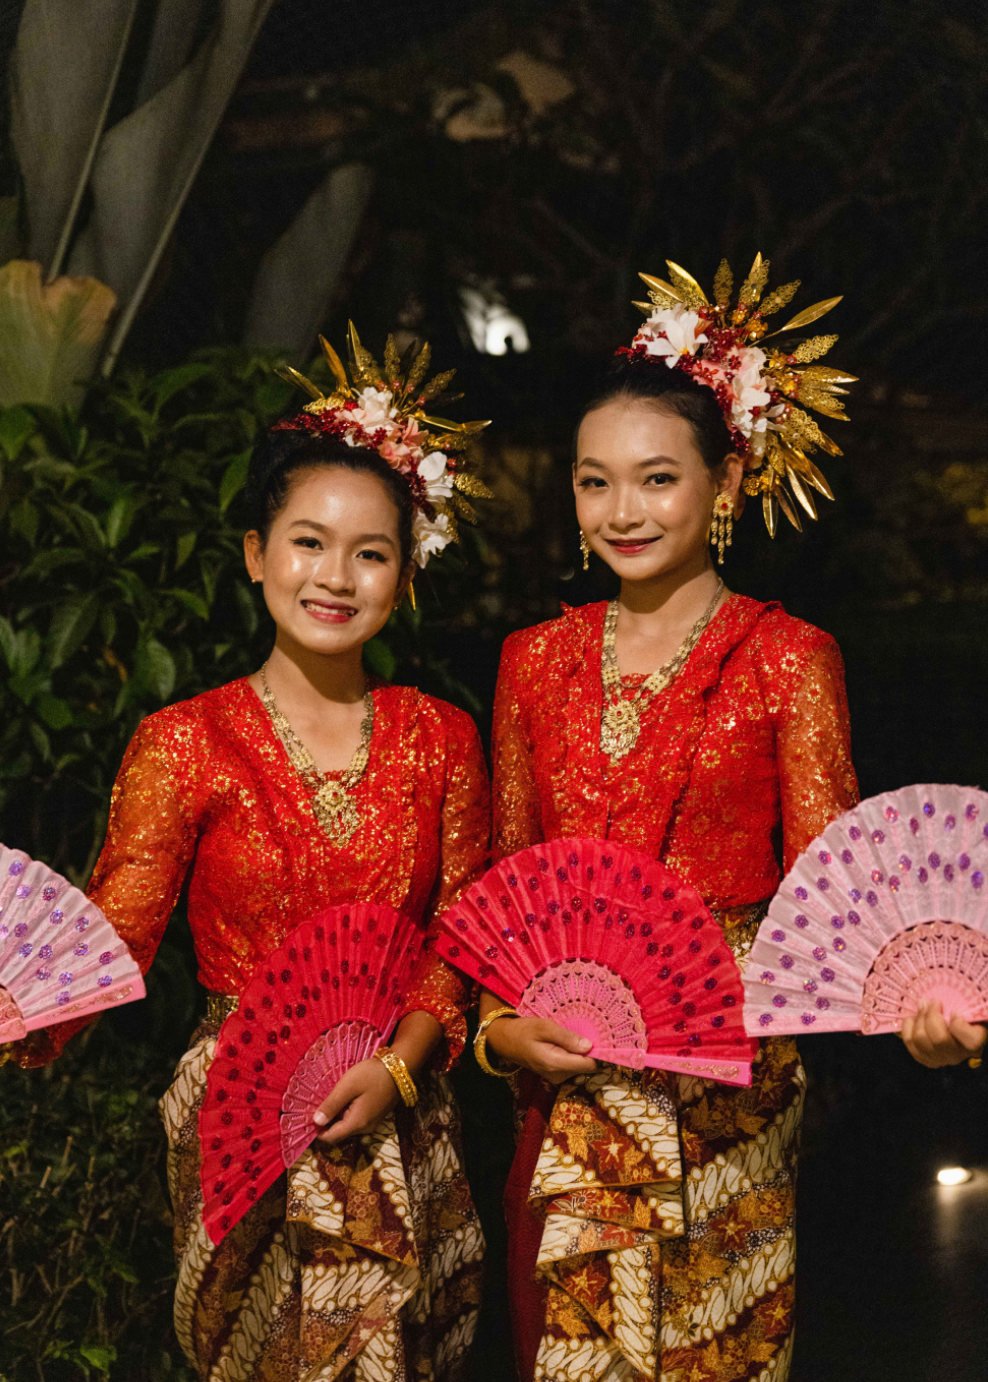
(334, 807)
(621, 721)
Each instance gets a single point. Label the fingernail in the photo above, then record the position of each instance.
(585, 1045)
(319, 1118)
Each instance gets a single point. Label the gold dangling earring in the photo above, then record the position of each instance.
(722, 525)
(584, 550)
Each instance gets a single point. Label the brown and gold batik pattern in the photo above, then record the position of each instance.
(362, 1262)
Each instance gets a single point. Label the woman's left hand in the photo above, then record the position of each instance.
(933, 1041)
(357, 1104)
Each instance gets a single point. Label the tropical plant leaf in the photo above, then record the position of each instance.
(299, 274)
(234, 479)
(155, 668)
(173, 36)
(146, 164)
(50, 335)
(70, 626)
(63, 73)
(380, 659)
(16, 428)
(11, 244)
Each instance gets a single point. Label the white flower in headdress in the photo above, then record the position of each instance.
(671, 333)
(438, 481)
(430, 535)
(748, 391)
(374, 408)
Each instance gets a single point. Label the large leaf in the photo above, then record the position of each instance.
(70, 625)
(50, 335)
(62, 75)
(146, 164)
(173, 36)
(299, 273)
(10, 234)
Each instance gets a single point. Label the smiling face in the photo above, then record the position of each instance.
(331, 562)
(644, 495)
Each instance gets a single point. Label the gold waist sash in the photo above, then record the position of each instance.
(740, 926)
(219, 1006)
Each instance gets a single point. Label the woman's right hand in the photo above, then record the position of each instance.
(552, 1052)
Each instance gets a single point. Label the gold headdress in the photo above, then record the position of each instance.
(758, 388)
(383, 408)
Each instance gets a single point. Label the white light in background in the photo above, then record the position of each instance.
(953, 1175)
(494, 328)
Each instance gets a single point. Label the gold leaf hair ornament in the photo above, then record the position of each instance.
(758, 388)
(383, 408)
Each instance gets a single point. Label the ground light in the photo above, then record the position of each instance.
(953, 1175)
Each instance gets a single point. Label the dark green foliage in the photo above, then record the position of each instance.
(121, 585)
(85, 1236)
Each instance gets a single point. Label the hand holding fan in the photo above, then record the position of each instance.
(59, 956)
(613, 945)
(323, 1001)
(883, 912)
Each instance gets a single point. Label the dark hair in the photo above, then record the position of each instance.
(674, 392)
(279, 455)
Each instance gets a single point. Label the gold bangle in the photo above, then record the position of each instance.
(398, 1071)
(480, 1044)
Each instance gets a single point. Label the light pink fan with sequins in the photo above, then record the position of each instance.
(59, 956)
(885, 911)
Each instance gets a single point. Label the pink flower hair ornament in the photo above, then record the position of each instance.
(383, 408)
(758, 389)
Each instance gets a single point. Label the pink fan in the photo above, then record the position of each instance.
(59, 956)
(324, 1000)
(611, 944)
(885, 911)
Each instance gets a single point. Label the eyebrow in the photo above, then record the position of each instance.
(640, 465)
(364, 537)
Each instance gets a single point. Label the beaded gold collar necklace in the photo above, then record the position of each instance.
(621, 721)
(334, 806)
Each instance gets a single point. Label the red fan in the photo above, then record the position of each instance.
(59, 956)
(613, 945)
(324, 1000)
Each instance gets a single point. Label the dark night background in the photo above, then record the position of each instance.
(539, 156)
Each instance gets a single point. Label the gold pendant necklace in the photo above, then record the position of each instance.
(621, 720)
(334, 807)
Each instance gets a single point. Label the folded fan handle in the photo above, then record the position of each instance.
(12, 1026)
(733, 1072)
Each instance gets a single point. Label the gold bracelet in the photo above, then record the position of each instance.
(480, 1044)
(398, 1071)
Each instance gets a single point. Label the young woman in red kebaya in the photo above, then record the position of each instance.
(302, 786)
(651, 1217)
